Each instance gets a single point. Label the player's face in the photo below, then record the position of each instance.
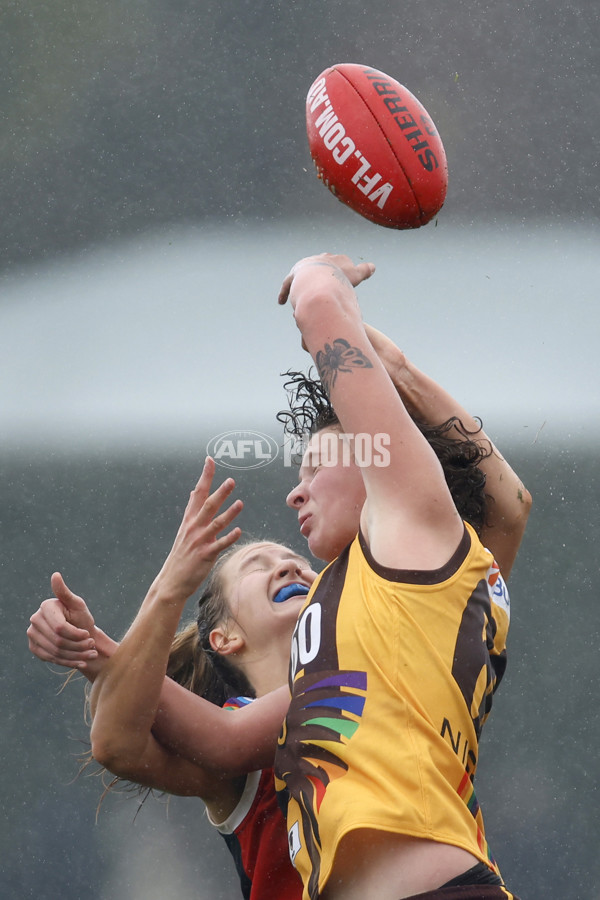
(266, 585)
(329, 496)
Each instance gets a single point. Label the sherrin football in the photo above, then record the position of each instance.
(375, 146)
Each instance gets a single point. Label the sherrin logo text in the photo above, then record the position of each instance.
(414, 133)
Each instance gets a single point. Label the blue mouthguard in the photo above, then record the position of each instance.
(290, 590)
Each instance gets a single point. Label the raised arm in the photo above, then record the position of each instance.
(185, 725)
(409, 517)
(63, 631)
(132, 702)
(509, 510)
(126, 692)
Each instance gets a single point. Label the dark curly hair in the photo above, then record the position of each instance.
(459, 455)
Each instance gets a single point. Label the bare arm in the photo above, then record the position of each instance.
(409, 518)
(220, 743)
(425, 399)
(55, 637)
(126, 694)
(185, 725)
(232, 743)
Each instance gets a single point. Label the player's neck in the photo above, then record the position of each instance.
(268, 671)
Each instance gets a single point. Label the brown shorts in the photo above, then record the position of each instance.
(467, 892)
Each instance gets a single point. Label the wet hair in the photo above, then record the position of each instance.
(310, 411)
(192, 661)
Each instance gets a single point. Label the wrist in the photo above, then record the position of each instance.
(406, 381)
(166, 593)
(104, 644)
(400, 369)
(393, 359)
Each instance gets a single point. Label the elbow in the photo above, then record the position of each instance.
(515, 524)
(514, 518)
(111, 753)
(526, 501)
(104, 750)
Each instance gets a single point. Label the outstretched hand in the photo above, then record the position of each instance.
(62, 630)
(199, 541)
(355, 273)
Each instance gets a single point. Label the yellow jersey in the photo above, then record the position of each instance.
(392, 675)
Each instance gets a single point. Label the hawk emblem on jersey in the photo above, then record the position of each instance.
(324, 712)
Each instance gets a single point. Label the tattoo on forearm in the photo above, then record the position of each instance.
(339, 357)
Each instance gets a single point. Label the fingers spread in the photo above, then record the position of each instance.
(227, 540)
(227, 516)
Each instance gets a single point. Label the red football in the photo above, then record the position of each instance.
(375, 147)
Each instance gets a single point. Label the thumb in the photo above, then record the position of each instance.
(66, 596)
(285, 289)
(365, 270)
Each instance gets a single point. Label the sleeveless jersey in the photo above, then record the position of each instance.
(392, 675)
(255, 834)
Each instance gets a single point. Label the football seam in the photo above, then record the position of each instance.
(408, 181)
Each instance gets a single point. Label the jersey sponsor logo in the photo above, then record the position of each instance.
(460, 745)
(465, 790)
(497, 588)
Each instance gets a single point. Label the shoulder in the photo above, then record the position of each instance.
(465, 547)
